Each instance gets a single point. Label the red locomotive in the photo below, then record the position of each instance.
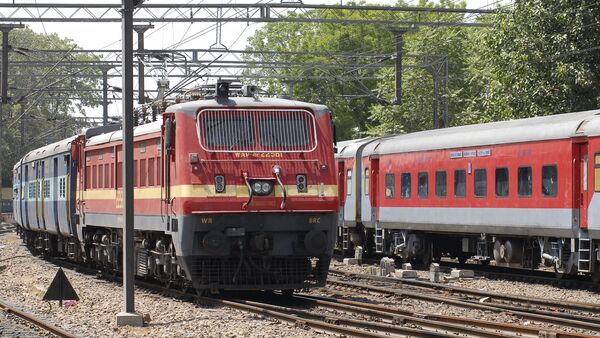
(230, 193)
(522, 192)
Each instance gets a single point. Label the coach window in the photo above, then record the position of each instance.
(549, 180)
(501, 182)
(460, 183)
(366, 191)
(596, 172)
(440, 184)
(480, 186)
(423, 187)
(405, 185)
(524, 186)
(390, 183)
(349, 182)
(135, 173)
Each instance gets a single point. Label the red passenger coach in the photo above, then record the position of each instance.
(230, 193)
(522, 193)
(241, 190)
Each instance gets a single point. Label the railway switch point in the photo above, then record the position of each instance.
(130, 319)
(457, 273)
(406, 274)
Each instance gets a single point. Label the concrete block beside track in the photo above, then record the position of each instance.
(406, 274)
(351, 261)
(456, 273)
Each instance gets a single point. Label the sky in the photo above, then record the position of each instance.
(164, 36)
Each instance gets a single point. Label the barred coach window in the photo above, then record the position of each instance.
(525, 180)
(460, 183)
(423, 185)
(405, 185)
(390, 183)
(501, 182)
(549, 180)
(480, 186)
(440, 184)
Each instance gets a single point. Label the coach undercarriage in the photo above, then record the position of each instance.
(566, 256)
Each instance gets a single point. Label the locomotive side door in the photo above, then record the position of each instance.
(580, 183)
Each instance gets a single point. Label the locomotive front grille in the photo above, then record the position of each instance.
(258, 272)
(257, 130)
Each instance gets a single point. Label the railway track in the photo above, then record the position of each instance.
(352, 318)
(37, 322)
(579, 315)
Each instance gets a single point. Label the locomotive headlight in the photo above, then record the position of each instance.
(220, 183)
(257, 187)
(266, 188)
(301, 183)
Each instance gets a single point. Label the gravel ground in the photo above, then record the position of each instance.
(13, 326)
(501, 286)
(518, 288)
(24, 279)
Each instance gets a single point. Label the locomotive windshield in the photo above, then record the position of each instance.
(256, 130)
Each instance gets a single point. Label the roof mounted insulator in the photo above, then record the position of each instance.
(249, 90)
(222, 90)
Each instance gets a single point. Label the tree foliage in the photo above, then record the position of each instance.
(541, 57)
(45, 93)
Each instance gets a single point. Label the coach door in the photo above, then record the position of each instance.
(580, 183)
(374, 187)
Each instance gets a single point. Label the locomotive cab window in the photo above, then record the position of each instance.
(549, 180)
(460, 183)
(349, 182)
(480, 186)
(390, 183)
(405, 185)
(501, 182)
(423, 185)
(440, 184)
(525, 181)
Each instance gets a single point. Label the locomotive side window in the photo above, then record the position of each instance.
(597, 172)
(549, 180)
(366, 190)
(525, 180)
(501, 182)
(440, 184)
(405, 185)
(423, 186)
(480, 186)
(460, 183)
(349, 182)
(390, 183)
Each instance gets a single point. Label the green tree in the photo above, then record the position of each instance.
(541, 59)
(46, 89)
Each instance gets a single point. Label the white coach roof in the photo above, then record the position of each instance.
(552, 127)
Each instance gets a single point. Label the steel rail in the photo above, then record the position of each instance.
(417, 317)
(480, 293)
(35, 321)
(544, 316)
